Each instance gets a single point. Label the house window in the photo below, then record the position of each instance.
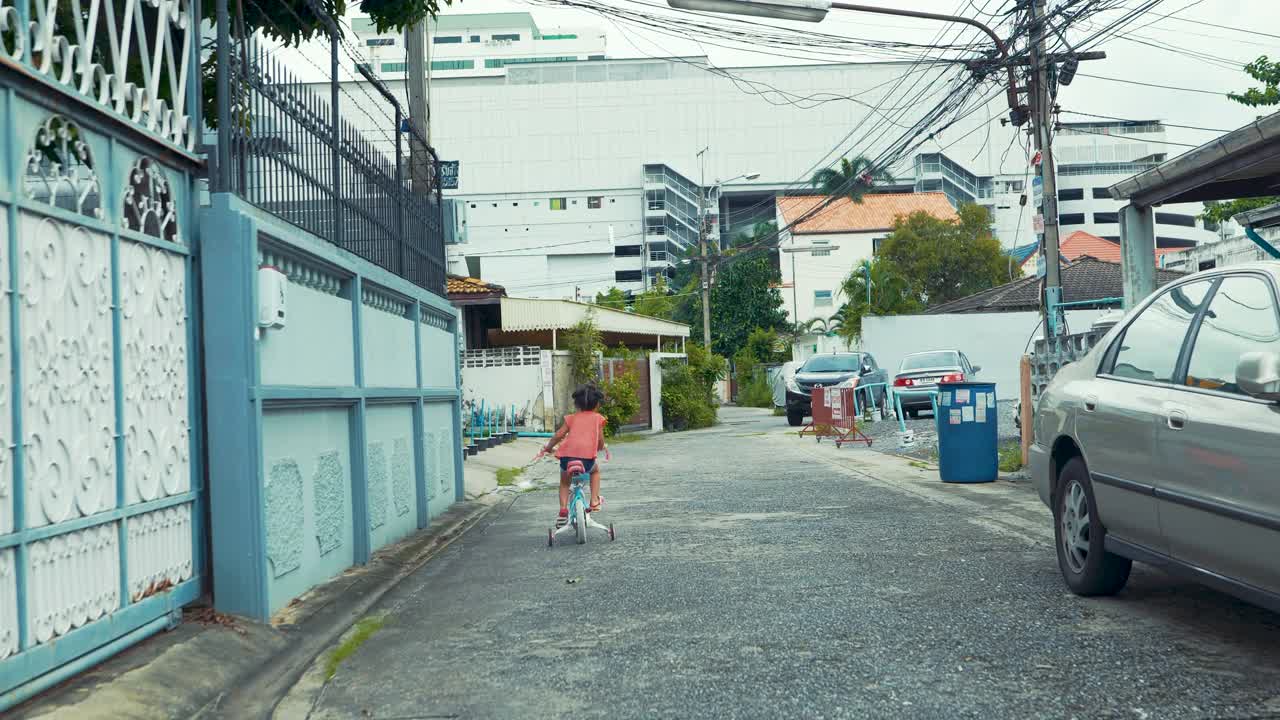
(821, 248)
(1071, 219)
(593, 203)
(475, 38)
(1101, 194)
(875, 245)
(557, 204)
(1106, 218)
(626, 251)
(560, 37)
(658, 255)
(380, 42)
(393, 67)
(508, 37)
(1071, 194)
(595, 57)
(446, 39)
(822, 298)
(627, 276)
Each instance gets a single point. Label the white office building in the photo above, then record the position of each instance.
(479, 45)
(1093, 156)
(575, 175)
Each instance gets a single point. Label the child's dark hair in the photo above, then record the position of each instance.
(587, 397)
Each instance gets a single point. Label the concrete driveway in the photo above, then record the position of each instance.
(758, 575)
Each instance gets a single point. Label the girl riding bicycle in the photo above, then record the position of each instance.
(582, 434)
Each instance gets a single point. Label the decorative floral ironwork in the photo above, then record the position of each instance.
(60, 169)
(148, 202)
(133, 59)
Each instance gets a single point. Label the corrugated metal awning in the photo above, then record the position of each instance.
(549, 314)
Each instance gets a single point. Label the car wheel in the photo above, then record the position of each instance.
(795, 419)
(915, 414)
(1087, 567)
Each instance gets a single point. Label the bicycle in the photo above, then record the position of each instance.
(579, 518)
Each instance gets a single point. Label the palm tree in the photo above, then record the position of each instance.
(853, 180)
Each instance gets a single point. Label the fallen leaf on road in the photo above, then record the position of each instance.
(574, 581)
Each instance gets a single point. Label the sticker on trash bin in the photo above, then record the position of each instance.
(991, 399)
(967, 413)
(962, 397)
(955, 417)
(981, 412)
(945, 399)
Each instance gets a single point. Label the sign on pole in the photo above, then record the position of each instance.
(449, 174)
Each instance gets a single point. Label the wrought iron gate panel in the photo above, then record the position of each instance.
(100, 492)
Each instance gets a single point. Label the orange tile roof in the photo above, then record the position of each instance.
(1080, 243)
(459, 285)
(877, 211)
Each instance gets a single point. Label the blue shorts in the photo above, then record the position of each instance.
(587, 465)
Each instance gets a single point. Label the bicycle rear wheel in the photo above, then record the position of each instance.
(580, 520)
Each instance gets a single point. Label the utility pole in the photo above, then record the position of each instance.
(1042, 120)
(415, 78)
(702, 244)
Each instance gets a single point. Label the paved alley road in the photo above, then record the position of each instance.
(757, 575)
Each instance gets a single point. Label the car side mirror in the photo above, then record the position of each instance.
(977, 369)
(1258, 374)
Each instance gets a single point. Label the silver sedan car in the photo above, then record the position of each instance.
(919, 374)
(1162, 444)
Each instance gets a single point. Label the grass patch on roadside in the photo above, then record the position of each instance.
(779, 412)
(920, 465)
(362, 631)
(1011, 458)
(627, 438)
(507, 476)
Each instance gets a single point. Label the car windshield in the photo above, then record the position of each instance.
(832, 363)
(942, 358)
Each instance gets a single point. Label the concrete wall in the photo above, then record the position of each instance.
(330, 437)
(506, 387)
(995, 341)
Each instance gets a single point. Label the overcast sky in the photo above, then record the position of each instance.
(1126, 59)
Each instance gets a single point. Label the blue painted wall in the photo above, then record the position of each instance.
(393, 486)
(319, 330)
(306, 469)
(331, 437)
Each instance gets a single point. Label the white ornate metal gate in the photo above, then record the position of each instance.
(99, 492)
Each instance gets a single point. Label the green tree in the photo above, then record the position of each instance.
(762, 234)
(940, 260)
(583, 341)
(1267, 73)
(614, 299)
(656, 301)
(853, 180)
(744, 297)
(1216, 211)
(890, 295)
(688, 388)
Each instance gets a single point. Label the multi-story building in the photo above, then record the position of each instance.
(1093, 156)
(480, 45)
(577, 176)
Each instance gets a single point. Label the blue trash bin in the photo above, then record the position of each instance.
(967, 432)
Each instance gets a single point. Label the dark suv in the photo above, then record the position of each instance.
(835, 370)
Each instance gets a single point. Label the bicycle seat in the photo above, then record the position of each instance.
(575, 467)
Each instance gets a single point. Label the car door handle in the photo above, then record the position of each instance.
(1177, 420)
(1090, 402)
